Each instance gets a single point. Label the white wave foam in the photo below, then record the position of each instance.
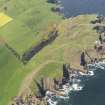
(51, 102)
(76, 87)
(76, 84)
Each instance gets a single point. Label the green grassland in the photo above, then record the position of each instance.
(9, 65)
(50, 70)
(75, 35)
(28, 27)
(30, 20)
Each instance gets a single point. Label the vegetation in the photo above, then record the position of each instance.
(4, 19)
(30, 24)
(50, 70)
(75, 35)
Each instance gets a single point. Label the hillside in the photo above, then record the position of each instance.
(30, 22)
(23, 24)
(75, 35)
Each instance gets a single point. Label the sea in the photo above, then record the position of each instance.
(93, 92)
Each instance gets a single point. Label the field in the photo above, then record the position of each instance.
(25, 25)
(31, 21)
(29, 24)
(4, 19)
(75, 35)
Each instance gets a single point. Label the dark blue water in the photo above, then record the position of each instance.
(93, 92)
(77, 7)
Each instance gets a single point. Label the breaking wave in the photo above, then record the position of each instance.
(87, 89)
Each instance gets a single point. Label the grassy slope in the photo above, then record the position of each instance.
(50, 70)
(75, 35)
(8, 66)
(30, 22)
(66, 47)
(29, 18)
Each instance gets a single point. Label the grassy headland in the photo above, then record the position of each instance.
(31, 22)
(75, 35)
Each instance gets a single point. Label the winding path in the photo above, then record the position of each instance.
(27, 81)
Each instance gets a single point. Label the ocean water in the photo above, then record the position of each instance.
(93, 92)
(77, 7)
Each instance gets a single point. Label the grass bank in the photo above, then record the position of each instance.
(75, 35)
(30, 23)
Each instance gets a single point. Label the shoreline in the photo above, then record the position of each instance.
(67, 89)
(31, 23)
(76, 58)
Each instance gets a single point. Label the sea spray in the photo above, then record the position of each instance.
(82, 92)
